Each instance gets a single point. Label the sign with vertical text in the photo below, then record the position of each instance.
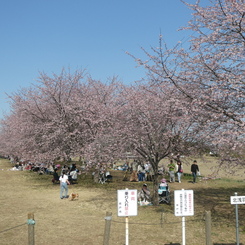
(183, 203)
(127, 203)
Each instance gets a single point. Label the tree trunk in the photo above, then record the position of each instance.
(155, 199)
(96, 176)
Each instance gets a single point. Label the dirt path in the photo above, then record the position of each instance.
(56, 220)
(81, 222)
(76, 222)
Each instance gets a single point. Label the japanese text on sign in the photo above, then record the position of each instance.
(183, 203)
(127, 202)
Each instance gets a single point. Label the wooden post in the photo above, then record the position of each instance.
(162, 219)
(107, 228)
(208, 227)
(31, 223)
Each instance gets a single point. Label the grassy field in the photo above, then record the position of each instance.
(82, 221)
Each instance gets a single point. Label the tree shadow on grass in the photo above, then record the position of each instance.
(227, 244)
(217, 200)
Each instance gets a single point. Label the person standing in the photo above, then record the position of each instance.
(141, 172)
(64, 182)
(194, 170)
(73, 176)
(171, 170)
(134, 171)
(148, 171)
(56, 178)
(179, 170)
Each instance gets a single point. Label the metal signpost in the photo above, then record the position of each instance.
(183, 206)
(127, 206)
(237, 200)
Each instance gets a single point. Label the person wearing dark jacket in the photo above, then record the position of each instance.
(55, 177)
(194, 170)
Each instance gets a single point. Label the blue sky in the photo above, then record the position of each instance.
(48, 35)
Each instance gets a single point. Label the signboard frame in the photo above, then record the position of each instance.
(237, 199)
(127, 203)
(183, 202)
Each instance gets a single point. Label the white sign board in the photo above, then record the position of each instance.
(183, 203)
(127, 204)
(237, 199)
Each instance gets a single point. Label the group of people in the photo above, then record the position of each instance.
(141, 171)
(71, 172)
(68, 174)
(175, 168)
(178, 169)
(67, 177)
(144, 197)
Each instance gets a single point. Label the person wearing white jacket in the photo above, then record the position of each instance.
(179, 171)
(64, 182)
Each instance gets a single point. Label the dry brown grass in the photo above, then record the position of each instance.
(82, 221)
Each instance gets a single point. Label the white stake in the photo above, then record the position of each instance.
(183, 230)
(126, 222)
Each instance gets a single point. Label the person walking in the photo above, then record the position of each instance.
(64, 182)
(179, 171)
(171, 169)
(194, 170)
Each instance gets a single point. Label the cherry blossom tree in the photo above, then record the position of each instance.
(39, 117)
(68, 115)
(155, 122)
(57, 117)
(191, 99)
(209, 72)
